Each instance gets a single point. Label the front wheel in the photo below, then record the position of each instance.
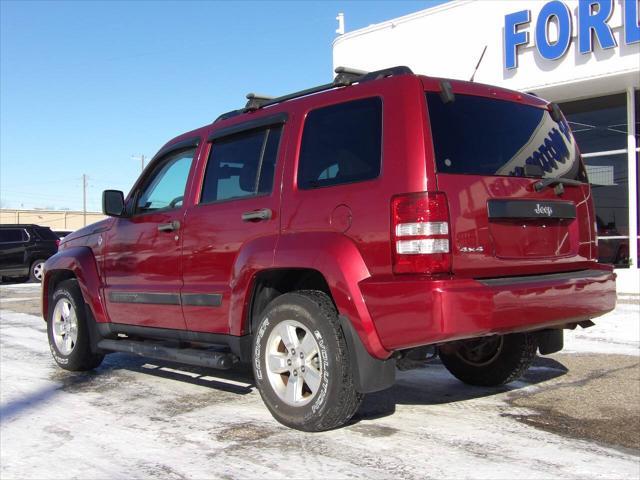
(301, 363)
(491, 361)
(68, 330)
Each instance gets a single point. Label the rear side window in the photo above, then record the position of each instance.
(484, 136)
(241, 165)
(341, 144)
(45, 234)
(8, 235)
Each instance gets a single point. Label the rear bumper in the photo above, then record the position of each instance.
(411, 312)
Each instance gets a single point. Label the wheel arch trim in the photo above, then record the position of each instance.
(81, 263)
(336, 258)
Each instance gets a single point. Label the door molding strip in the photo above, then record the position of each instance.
(154, 298)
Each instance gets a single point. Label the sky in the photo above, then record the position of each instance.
(84, 86)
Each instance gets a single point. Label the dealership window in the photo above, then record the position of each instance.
(600, 128)
(637, 160)
(599, 124)
(637, 110)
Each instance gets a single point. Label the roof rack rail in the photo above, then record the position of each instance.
(345, 76)
(386, 72)
(256, 100)
(291, 96)
(232, 113)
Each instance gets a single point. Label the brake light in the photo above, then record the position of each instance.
(58, 242)
(420, 233)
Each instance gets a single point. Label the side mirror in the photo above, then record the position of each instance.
(113, 203)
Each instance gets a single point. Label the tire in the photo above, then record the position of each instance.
(36, 271)
(322, 395)
(68, 330)
(492, 361)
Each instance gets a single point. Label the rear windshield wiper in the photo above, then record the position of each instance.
(547, 182)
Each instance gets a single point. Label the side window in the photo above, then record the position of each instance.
(44, 234)
(241, 165)
(10, 235)
(165, 188)
(341, 144)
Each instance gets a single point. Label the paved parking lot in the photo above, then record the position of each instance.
(575, 415)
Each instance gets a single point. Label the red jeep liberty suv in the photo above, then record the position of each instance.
(329, 236)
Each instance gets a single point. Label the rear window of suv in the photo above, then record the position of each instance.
(484, 136)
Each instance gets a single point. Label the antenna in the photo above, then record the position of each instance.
(479, 61)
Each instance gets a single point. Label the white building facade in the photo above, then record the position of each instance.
(584, 55)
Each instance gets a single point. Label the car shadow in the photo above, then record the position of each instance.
(238, 379)
(434, 385)
(430, 385)
(12, 281)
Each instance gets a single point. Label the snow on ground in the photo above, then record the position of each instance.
(137, 419)
(35, 287)
(617, 332)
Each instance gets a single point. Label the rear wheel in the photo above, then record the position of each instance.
(68, 330)
(301, 363)
(37, 270)
(491, 361)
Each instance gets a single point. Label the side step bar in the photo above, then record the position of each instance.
(189, 356)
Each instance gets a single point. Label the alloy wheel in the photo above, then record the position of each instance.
(65, 326)
(38, 271)
(294, 367)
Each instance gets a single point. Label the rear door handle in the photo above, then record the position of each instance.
(169, 227)
(257, 215)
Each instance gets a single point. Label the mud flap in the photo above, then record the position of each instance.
(94, 333)
(369, 374)
(550, 341)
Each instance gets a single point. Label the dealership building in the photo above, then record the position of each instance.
(583, 55)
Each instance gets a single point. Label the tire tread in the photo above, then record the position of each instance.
(346, 406)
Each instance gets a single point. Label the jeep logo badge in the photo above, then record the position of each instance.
(543, 210)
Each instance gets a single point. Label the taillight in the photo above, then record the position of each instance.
(58, 243)
(420, 233)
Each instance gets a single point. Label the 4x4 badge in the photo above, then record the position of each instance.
(472, 249)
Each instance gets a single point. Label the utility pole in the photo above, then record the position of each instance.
(141, 158)
(84, 199)
(340, 19)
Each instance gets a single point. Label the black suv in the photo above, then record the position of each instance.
(24, 249)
